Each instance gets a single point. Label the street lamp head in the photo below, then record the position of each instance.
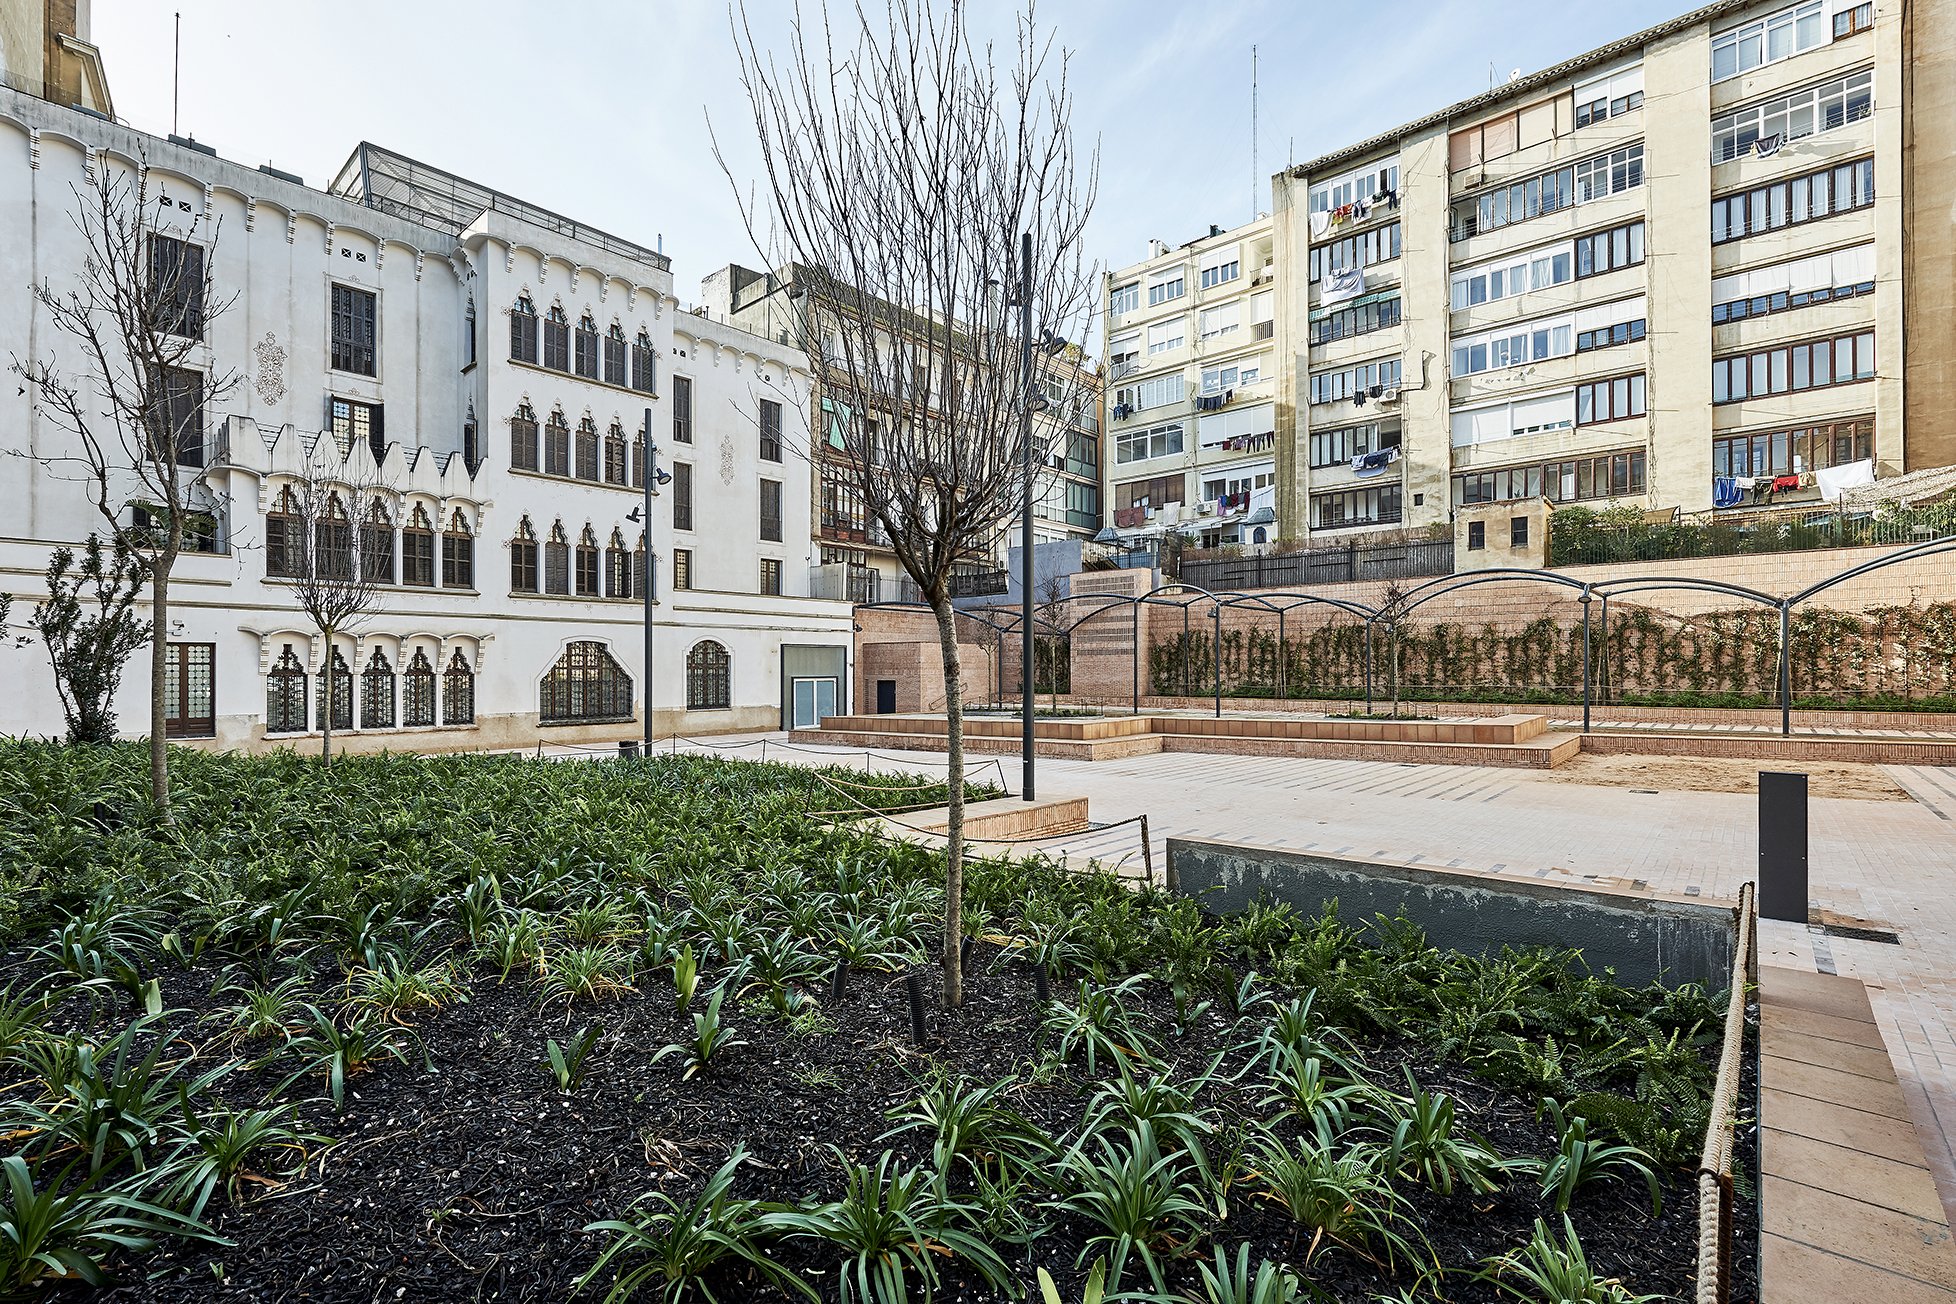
(634, 516)
(1050, 344)
(664, 476)
(1036, 402)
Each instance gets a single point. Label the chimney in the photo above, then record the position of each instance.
(1156, 248)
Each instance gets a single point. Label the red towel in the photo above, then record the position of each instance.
(1781, 483)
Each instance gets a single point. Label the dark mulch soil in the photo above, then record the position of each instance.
(473, 1178)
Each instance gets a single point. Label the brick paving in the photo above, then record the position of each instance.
(1890, 863)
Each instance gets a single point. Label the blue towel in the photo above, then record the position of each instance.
(1726, 492)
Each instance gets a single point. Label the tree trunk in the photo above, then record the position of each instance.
(326, 703)
(159, 665)
(947, 642)
(1395, 672)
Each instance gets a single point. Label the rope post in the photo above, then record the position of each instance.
(1185, 649)
(1147, 853)
(1786, 669)
(1283, 687)
(1136, 644)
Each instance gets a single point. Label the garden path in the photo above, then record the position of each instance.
(1890, 863)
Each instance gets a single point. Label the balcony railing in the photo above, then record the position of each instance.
(977, 584)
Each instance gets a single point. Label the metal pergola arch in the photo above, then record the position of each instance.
(1282, 602)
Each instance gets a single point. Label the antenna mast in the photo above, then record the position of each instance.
(176, 70)
(1256, 189)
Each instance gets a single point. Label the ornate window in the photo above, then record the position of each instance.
(556, 340)
(523, 439)
(418, 550)
(614, 355)
(418, 693)
(645, 365)
(377, 546)
(457, 553)
(617, 568)
(471, 442)
(587, 449)
(770, 430)
(585, 685)
(587, 564)
(682, 409)
(523, 559)
(523, 330)
(377, 693)
(587, 347)
(708, 675)
(556, 561)
(336, 692)
(638, 459)
(333, 541)
(614, 454)
(285, 695)
(556, 445)
(457, 692)
(468, 338)
(285, 538)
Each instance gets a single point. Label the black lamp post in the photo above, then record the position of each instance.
(653, 477)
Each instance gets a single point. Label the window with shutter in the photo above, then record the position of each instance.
(354, 330)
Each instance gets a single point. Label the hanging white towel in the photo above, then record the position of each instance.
(1833, 481)
(1320, 222)
(1346, 283)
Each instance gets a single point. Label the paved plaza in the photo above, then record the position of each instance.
(1891, 863)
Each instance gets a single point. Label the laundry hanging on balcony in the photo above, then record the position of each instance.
(1767, 146)
(1833, 481)
(1367, 465)
(1320, 222)
(1345, 283)
(1726, 492)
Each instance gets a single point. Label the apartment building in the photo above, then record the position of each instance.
(1706, 264)
(1192, 389)
(794, 305)
(491, 367)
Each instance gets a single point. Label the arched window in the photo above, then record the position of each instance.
(587, 449)
(638, 459)
(556, 561)
(336, 692)
(458, 691)
(285, 695)
(587, 564)
(1259, 535)
(587, 347)
(418, 693)
(471, 444)
(523, 439)
(457, 553)
(333, 541)
(645, 370)
(523, 559)
(468, 340)
(556, 445)
(377, 693)
(418, 549)
(285, 537)
(614, 355)
(585, 685)
(522, 330)
(377, 545)
(614, 454)
(556, 340)
(617, 567)
(708, 676)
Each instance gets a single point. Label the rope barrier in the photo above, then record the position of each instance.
(1715, 1162)
(861, 809)
(611, 749)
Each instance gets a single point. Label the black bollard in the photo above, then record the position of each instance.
(914, 981)
(1783, 846)
(838, 982)
(1040, 985)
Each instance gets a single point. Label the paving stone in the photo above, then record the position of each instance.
(1902, 1187)
(1913, 1247)
(1811, 1276)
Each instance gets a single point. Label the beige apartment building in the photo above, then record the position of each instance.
(1712, 262)
(1193, 382)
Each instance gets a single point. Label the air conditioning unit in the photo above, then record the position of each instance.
(1208, 507)
(1391, 394)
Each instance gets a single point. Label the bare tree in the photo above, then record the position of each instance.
(902, 167)
(1392, 614)
(132, 395)
(332, 540)
(1052, 596)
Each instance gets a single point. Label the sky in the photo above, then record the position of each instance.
(600, 109)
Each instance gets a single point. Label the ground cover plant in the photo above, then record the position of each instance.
(500, 1028)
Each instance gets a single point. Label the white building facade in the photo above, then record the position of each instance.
(492, 366)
